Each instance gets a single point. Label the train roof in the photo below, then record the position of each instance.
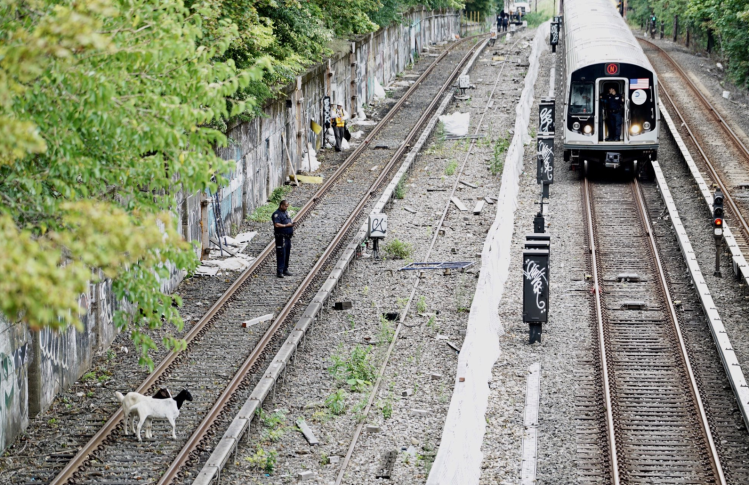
(595, 33)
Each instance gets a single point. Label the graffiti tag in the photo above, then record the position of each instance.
(537, 277)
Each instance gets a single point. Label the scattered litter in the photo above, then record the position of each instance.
(372, 428)
(374, 168)
(435, 376)
(344, 144)
(206, 270)
(441, 337)
(307, 432)
(418, 412)
(357, 134)
(388, 462)
(489, 200)
(469, 184)
(382, 147)
(255, 321)
(461, 207)
(305, 475)
(309, 180)
(479, 206)
(123, 350)
(245, 237)
(498, 58)
(456, 123)
(309, 161)
(334, 460)
(407, 392)
(342, 305)
(412, 211)
(364, 123)
(727, 94)
(719, 66)
(456, 349)
(392, 316)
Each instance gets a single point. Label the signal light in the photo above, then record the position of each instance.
(718, 209)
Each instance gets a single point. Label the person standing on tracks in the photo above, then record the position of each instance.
(613, 104)
(283, 230)
(505, 22)
(338, 121)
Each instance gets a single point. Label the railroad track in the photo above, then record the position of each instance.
(222, 359)
(725, 156)
(656, 425)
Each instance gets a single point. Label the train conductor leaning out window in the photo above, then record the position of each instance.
(338, 122)
(283, 230)
(613, 103)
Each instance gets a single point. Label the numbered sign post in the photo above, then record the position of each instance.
(535, 291)
(545, 162)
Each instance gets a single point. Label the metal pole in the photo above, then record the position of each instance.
(676, 27)
(717, 258)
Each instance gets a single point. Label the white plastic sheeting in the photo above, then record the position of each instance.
(379, 91)
(459, 457)
(309, 162)
(456, 123)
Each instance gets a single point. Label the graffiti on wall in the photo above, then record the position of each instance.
(13, 393)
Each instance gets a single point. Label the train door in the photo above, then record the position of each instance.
(606, 117)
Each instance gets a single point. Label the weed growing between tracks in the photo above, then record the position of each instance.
(452, 165)
(274, 427)
(264, 212)
(397, 249)
(497, 163)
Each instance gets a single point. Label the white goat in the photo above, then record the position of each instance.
(150, 408)
(131, 399)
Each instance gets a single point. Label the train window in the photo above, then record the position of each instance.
(581, 99)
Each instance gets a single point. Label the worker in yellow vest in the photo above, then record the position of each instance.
(338, 122)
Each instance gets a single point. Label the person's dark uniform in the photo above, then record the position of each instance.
(613, 104)
(283, 241)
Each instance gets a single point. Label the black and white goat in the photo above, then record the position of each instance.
(149, 409)
(129, 400)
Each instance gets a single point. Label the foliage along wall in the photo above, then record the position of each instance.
(35, 367)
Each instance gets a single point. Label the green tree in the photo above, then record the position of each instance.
(103, 114)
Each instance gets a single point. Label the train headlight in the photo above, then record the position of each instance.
(635, 129)
(588, 129)
(576, 125)
(646, 125)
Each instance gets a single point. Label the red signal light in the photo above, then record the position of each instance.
(718, 222)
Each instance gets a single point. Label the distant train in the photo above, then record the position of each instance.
(601, 53)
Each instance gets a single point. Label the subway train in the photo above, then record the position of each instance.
(601, 54)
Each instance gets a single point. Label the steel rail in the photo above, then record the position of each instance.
(417, 280)
(663, 283)
(744, 225)
(734, 208)
(204, 323)
(173, 470)
(701, 97)
(671, 310)
(610, 428)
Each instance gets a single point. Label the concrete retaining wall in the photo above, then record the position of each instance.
(35, 366)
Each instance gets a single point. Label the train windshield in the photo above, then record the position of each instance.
(581, 99)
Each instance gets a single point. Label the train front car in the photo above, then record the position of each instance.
(611, 101)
